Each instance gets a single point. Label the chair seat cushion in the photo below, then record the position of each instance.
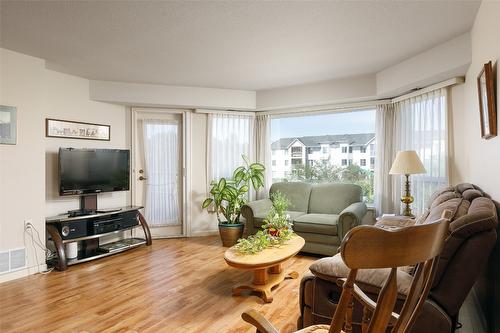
(325, 224)
(316, 329)
(332, 268)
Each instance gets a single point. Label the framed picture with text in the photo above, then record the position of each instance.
(57, 128)
(487, 107)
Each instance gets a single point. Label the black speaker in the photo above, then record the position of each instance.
(73, 229)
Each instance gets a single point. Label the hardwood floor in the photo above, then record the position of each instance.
(176, 285)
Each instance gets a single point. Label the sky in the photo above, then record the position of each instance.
(333, 123)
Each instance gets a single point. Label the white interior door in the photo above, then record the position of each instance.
(158, 169)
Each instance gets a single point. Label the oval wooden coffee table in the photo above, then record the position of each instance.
(266, 266)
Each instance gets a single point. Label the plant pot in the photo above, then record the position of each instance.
(230, 233)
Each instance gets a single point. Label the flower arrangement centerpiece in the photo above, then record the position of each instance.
(276, 229)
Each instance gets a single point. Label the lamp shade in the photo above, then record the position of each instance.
(407, 163)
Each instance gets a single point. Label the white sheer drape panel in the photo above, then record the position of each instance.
(385, 123)
(422, 125)
(263, 150)
(229, 137)
(161, 155)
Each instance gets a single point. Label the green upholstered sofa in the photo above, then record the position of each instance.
(322, 214)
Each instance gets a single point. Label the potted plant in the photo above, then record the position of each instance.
(276, 230)
(228, 196)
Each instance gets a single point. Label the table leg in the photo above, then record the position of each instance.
(275, 269)
(260, 276)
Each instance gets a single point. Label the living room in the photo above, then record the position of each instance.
(247, 140)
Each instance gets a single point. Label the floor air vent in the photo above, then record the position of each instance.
(12, 260)
(17, 258)
(4, 262)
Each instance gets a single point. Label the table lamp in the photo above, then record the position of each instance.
(407, 163)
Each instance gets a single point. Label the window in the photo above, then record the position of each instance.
(274, 162)
(362, 150)
(229, 139)
(362, 162)
(372, 162)
(422, 122)
(327, 137)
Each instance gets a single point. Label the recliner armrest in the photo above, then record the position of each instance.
(351, 217)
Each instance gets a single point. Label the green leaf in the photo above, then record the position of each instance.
(222, 184)
(257, 166)
(207, 203)
(243, 189)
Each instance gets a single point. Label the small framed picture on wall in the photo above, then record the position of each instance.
(487, 107)
(8, 125)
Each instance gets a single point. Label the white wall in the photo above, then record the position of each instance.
(28, 170)
(137, 94)
(477, 160)
(202, 223)
(439, 63)
(357, 89)
(22, 166)
(68, 98)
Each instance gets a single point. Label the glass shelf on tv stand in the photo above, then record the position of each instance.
(99, 235)
(81, 258)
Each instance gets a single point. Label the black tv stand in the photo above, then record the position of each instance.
(87, 230)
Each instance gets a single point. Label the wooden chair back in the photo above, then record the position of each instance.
(368, 247)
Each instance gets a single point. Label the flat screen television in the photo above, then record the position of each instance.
(86, 171)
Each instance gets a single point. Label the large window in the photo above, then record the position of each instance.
(317, 147)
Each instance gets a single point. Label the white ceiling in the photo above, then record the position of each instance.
(238, 45)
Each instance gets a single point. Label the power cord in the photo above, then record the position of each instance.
(29, 227)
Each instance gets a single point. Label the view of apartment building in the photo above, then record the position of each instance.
(337, 150)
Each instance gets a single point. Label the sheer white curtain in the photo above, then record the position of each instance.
(263, 150)
(161, 155)
(422, 125)
(385, 131)
(229, 137)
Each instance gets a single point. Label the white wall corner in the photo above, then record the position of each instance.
(439, 63)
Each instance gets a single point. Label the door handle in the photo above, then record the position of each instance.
(142, 178)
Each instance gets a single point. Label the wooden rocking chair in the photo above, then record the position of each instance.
(368, 247)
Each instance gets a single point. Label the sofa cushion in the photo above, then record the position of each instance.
(331, 268)
(259, 218)
(320, 239)
(297, 194)
(333, 198)
(325, 224)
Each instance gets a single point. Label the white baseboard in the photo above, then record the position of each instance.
(23, 272)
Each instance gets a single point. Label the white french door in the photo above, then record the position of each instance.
(158, 164)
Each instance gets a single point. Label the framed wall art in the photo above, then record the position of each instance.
(487, 107)
(58, 128)
(8, 125)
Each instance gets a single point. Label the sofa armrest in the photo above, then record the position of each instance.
(351, 217)
(253, 208)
